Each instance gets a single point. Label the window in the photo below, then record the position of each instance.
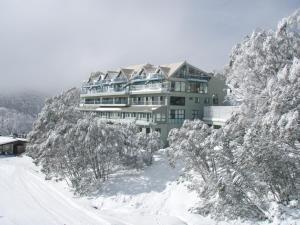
(155, 100)
(98, 101)
(162, 100)
(177, 100)
(182, 86)
(121, 100)
(177, 115)
(215, 99)
(147, 130)
(191, 98)
(160, 117)
(89, 101)
(197, 100)
(178, 86)
(196, 114)
(206, 101)
(197, 87)
(107, 101)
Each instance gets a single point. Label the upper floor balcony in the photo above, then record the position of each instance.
(150, 88)
(102, 91)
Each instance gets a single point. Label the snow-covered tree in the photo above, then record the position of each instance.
(255, 158)
(84, 148)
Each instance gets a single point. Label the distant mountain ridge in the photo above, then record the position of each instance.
(19, 110)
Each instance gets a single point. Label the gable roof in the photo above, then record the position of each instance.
(130, 71)
(172, 68)
(111, 74)
(96, 76)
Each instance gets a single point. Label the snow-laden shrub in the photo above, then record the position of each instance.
(83, 148)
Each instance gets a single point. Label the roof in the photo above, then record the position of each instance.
(172, 68)
(8, 140)
(132, 70)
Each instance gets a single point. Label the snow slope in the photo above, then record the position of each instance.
(137, 197)
(26, 198)
(154, 196)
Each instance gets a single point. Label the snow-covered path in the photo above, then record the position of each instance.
(26, 198)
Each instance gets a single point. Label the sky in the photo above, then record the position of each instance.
(52, 45)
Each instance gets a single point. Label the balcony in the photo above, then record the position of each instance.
(85, 92)
(149, 88)
(218, 115)
(148, 103)
(200, 77)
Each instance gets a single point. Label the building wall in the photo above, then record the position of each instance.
(6, 149)
(216, 88)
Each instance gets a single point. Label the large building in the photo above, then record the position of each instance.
(156, 98)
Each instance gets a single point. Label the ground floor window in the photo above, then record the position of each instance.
(177, 115)
(196, 114)
(160, 117)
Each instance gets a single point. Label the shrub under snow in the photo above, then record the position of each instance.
(84, 148)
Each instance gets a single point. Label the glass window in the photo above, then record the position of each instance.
(177, 100)
(147, 130)
(196, 114)
(89, 101)
(98, 101)
(215, 99)
(162, 100)
(197, 87)
(206, 101)
(177, 86)
(197, 100)
(177, 115)
(107, 100)
(182, 86)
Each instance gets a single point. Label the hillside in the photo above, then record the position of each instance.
(18, 111)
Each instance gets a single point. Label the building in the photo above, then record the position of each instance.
(156, 98)
(12, 145)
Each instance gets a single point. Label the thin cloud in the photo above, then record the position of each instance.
(52, 45)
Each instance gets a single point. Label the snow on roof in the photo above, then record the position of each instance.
(173, 67)
(7, 140)
(132, 70)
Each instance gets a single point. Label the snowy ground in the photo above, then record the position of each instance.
(149, 197)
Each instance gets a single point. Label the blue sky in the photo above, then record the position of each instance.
(52, 45)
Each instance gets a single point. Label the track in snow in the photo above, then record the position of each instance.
(26, 198)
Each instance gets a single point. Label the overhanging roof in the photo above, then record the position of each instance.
(9, 140)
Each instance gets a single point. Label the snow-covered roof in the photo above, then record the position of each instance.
(7, 140)
(130, 71)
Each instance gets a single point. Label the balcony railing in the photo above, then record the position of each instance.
(159, 86)
(148, 103)
(103, 90)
